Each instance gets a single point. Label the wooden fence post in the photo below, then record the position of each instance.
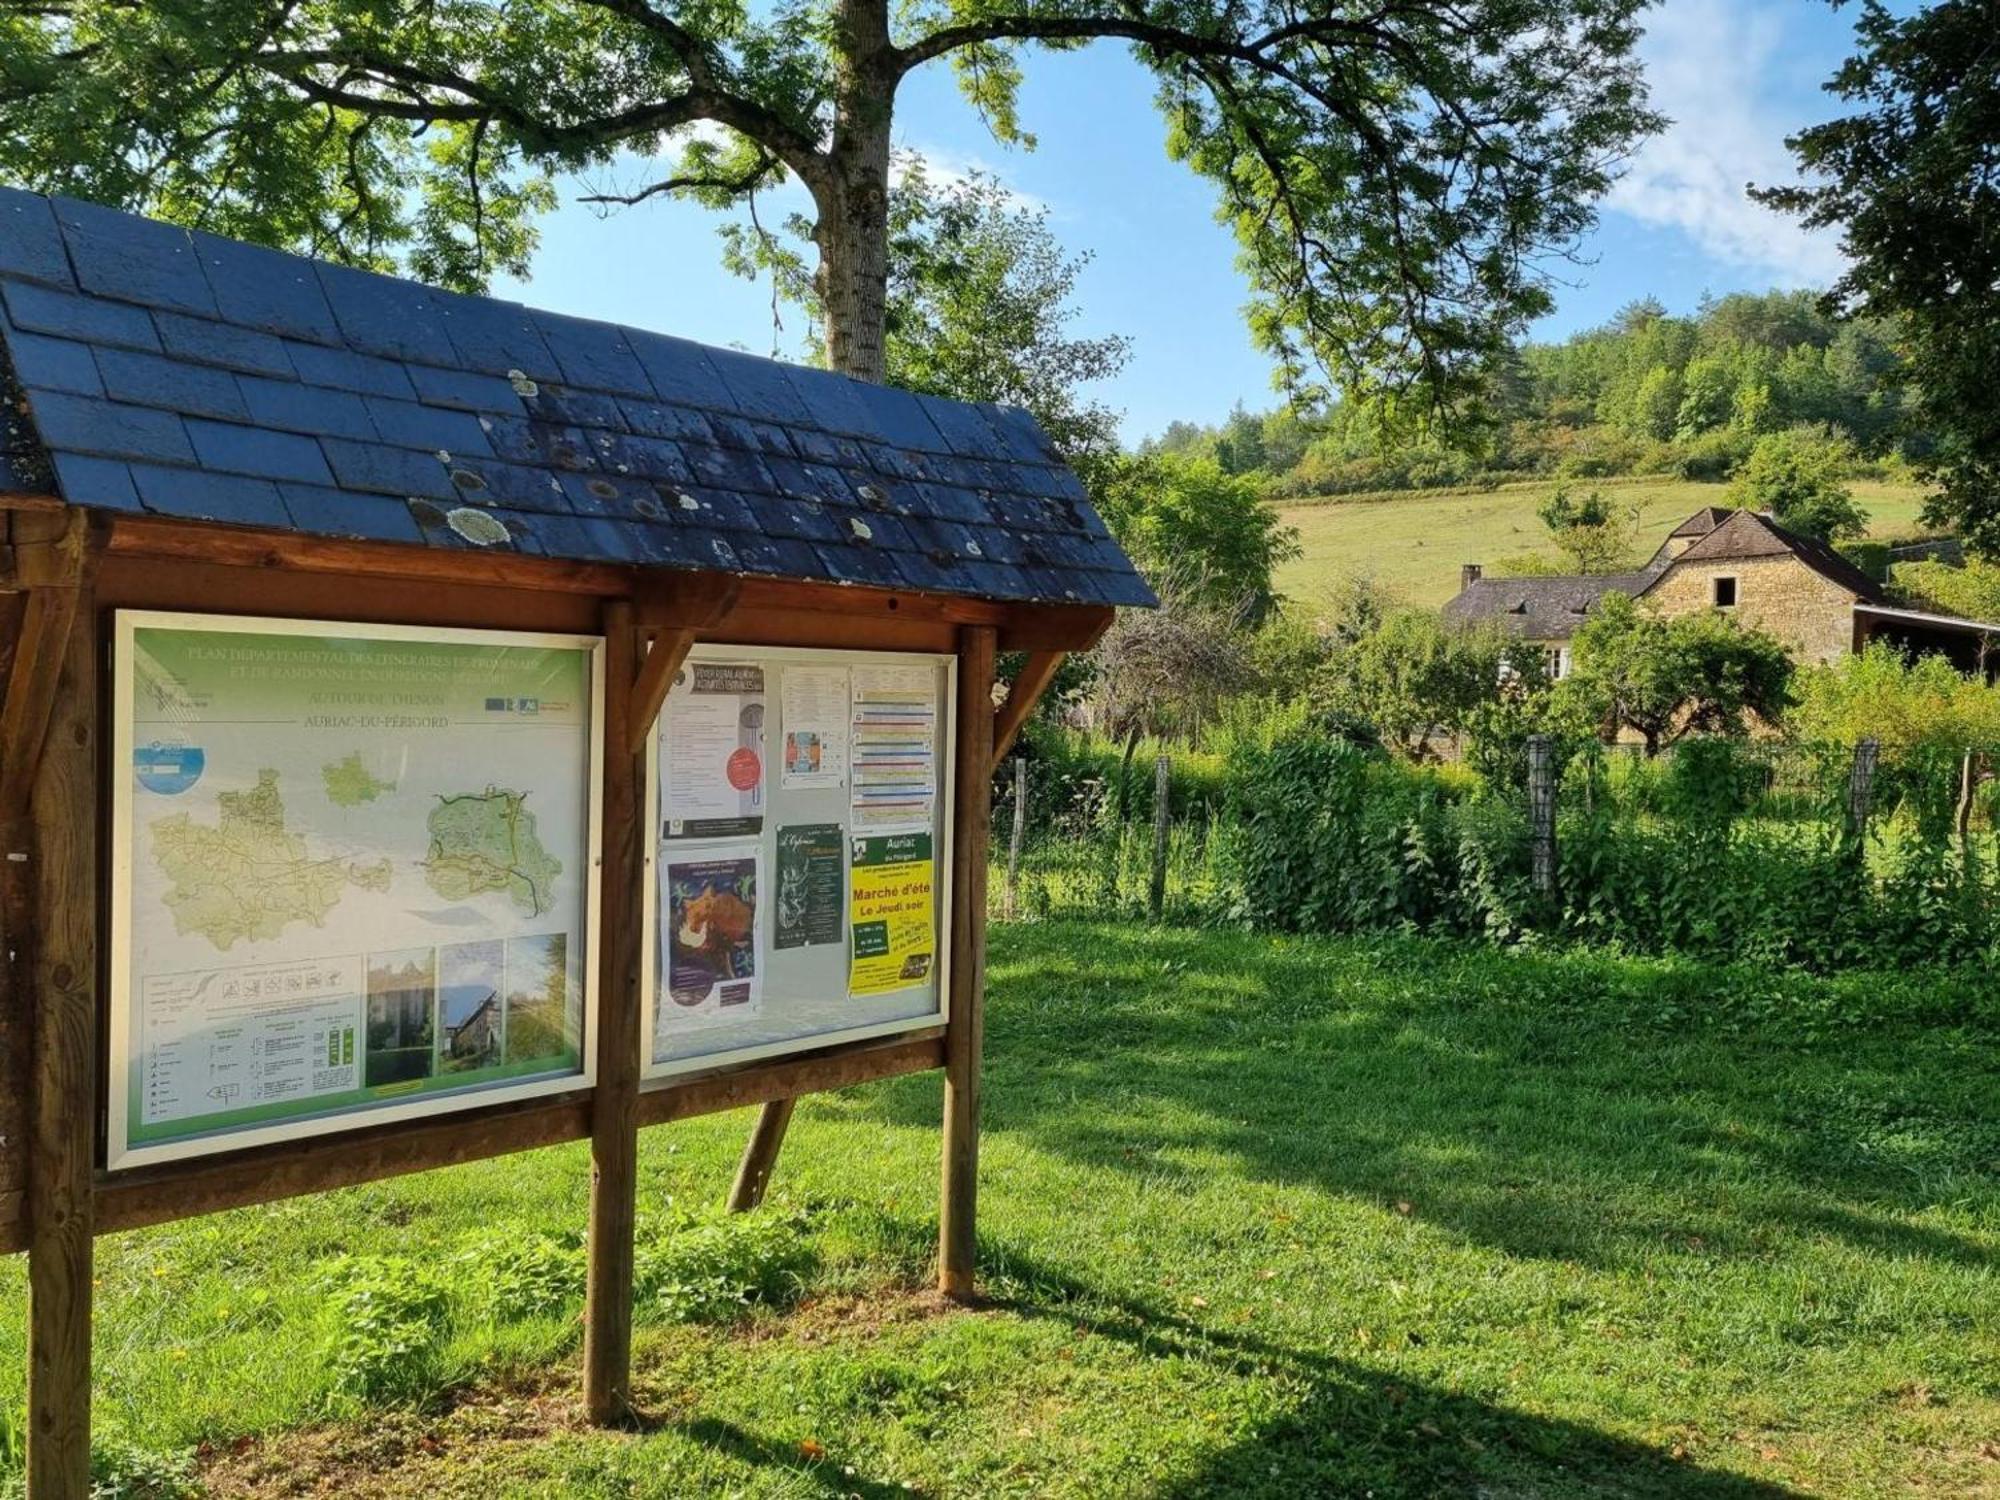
(1020, 835)
(972, 817)
(1542, 811)
(1861, 787)
(614, 1130)
(1156, 892)
(760, 1154)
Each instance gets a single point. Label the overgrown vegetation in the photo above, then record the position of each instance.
(1648, 394)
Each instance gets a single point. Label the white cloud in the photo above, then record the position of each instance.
(1709, 64)
(947, 168)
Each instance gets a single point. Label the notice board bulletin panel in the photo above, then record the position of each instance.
(799, 865)
(354, 876)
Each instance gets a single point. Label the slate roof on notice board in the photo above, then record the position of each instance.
(185, 375)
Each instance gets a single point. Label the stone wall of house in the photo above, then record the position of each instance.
(1812, 615)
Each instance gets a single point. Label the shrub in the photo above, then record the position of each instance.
(702, 1269)
(387, 1318)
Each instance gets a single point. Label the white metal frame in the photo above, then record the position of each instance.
(120, 1154)
(654, 1073)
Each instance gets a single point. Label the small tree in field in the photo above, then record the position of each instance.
(1800, 477)
(1415, 679)
(1593, 535)
(1665, 679)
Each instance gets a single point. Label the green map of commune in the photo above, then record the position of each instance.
(349, 783)
(485, 841)
(247, 877)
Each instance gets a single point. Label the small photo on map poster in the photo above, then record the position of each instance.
(814, 706)
(708, 939)
(893, 894)
(895, 747)
(712, 752)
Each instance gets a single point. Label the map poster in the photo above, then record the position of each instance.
(814, 702)
(351, 874)
(895, 747)
(893, 915)
(811, 860)
(712, 752)
(708, 939)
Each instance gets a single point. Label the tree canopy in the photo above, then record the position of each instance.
(1909, 179)
(1395, 173)
(1800, 477)
(1211, 534)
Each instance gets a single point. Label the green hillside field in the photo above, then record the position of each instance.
(1411, 545)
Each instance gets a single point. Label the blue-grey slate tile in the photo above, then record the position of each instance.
(103, 482)
(31, 246)
(756, 388)
(594, 355)
(663, 420)
(345, 370)
(224, 344)
(467, 390)
(828, 447)
(92, 320)
(234, 448)
(680, 371)
(908, 463)
(779, 556)
(833, 402)
(887, 496)
(438, 428)
(555, 534)
(952, 537)
(869, 528)
(729, 468)
(809, 481)
(568, 448)
(780, 515)
(902, 419)
(614, 495)
(561, 403)
(718, 510)
(765, 438)
(109, 429)
(996, 544)
(492, 481)
(291, 406)
(383, 316)
(325, 512)
(495, 337)
(647, 457)
(387, 470)
(266, 289)
(1023, 436)
(197, 495)
(47, 364)
(845, 563)
(513, 438)
(467, 528)
(952, 503)
(133, 259)
(175, 384)
(964, 428)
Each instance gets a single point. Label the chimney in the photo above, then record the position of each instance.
(1468, 575)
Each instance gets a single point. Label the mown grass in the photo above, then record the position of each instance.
(1259, 1217)
(1412, 545)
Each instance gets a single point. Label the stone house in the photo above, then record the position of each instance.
(1796, 588)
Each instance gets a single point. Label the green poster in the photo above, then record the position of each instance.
(810, 894)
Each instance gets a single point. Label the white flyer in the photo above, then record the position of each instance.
(814, 704)
(895, 747)
(712, 752)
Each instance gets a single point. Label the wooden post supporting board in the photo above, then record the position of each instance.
(1156, 888)
(965, 1029)
(55, 847)
(759, 1153)
(614, 1129)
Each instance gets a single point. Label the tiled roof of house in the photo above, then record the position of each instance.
(1703, 521)
(1539, 609)
(151, 370)
(1749, 534)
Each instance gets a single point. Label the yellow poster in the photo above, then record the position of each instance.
(892, 913)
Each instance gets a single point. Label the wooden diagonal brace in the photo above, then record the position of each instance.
(676, 608)
(669, 650)
(1037, 672)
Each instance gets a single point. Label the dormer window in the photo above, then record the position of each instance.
(1725, 592)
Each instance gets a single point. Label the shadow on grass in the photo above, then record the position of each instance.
(1480, 1088)
(1355, 1431)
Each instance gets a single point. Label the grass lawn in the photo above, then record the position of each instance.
(1412, 545)
(1259, 1217)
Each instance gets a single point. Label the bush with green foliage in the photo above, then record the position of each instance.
(1972, 591)
(1800, 477)
(1189, 521)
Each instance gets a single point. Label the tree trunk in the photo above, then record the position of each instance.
(852, 199)
(1125, 776)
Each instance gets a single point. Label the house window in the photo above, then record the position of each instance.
(1725, 592)
(1558, 663)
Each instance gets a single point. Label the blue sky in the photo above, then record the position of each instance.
(1735, 77)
